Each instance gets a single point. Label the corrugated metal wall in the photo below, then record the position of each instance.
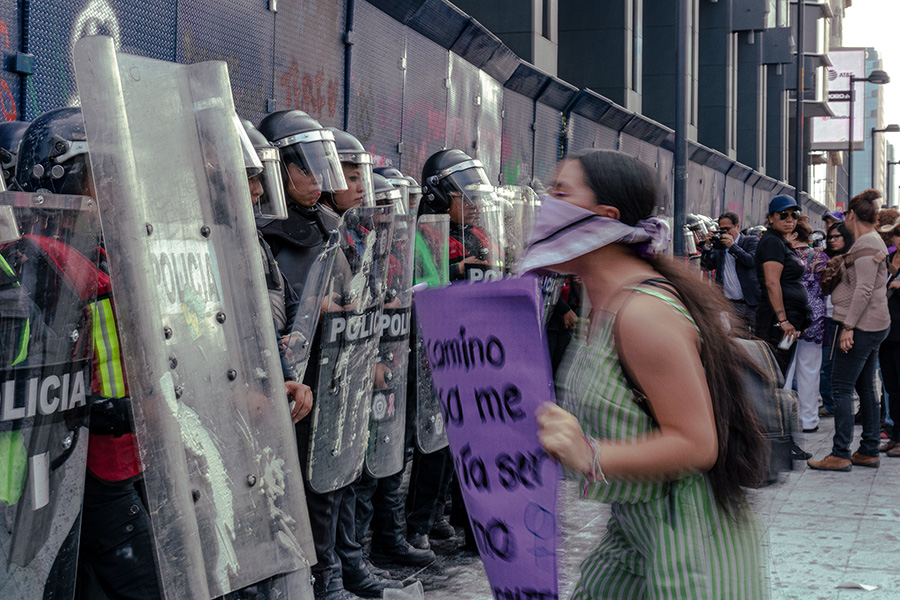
(409, 95)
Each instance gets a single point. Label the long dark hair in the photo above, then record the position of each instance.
(842, 229)
(623, 182)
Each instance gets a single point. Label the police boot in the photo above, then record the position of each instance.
(401, 553)
(371, 586)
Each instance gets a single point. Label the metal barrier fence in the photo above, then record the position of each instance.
(421, 76)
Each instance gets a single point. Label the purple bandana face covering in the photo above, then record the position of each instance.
(564, 231)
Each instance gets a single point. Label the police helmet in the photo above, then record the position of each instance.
(53, 154)
(270, 203)
(385, 193)
(449, 172)
(356, 163)
(399, 181)
(302, 141)
(11, 133)
(415, 194)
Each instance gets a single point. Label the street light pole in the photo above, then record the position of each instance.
(878, 77)
(799, 157)
(892, 128)
(887, 188)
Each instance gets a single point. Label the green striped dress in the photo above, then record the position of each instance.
(664, 540)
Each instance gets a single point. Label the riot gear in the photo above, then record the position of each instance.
(266, 186)
(11, 133)
(400, 182)
(450, 172)
(217, 444)
(356, 164)
(386, 194)
(53, 154)
(415, 195)
(306, 148)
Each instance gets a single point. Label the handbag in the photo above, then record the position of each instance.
(837, 266)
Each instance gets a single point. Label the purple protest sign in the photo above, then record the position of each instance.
(492, 371)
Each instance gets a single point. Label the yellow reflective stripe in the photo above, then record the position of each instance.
(23, 344)
(8, 273)
(106, 347)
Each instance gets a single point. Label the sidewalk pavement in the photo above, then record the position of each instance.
(824, 529)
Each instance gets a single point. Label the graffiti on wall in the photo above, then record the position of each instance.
(97, 18)
(311, 92)
(7, 100)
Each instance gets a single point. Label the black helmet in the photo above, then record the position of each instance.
(11, 133)
(53, 155)
(385, 193)
(270, 203)
(356, 163)
(415, 194)
(304, 142)
(399, 181)
(449, 171)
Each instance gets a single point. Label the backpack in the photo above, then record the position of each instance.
(837, 266)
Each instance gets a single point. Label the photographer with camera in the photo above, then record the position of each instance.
(733, 257)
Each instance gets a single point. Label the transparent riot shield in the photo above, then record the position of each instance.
(477, 235)
(217, 444)
(49, 278)
(387, 427)
(298, 343)
(349, 348)
(431, 268)
(519, 205)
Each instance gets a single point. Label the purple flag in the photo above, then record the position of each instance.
(491, 368)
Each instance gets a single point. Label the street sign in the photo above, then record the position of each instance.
(839, 96)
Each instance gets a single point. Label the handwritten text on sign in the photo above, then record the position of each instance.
(492, 371)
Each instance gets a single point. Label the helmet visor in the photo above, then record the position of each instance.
(251, 160)
(315, 152)
(267, 188)
(360, 190)
(402, 186)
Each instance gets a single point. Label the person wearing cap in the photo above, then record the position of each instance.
(783, 310)
(835, 216)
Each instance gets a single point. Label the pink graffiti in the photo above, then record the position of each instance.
(311, 93)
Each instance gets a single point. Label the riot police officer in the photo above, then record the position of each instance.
(267, 196)
(455, 184)
(11, 133)
(310, 167)
(117, 557)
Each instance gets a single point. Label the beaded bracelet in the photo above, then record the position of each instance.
(596, 472)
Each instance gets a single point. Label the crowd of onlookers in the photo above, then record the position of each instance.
(825, 303)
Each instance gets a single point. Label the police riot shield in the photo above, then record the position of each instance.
(387, 426)
(520, 206)
(349, 347)
(220, 461)
(49, 279)
(299, 341)
(477, 235)
(432, 269)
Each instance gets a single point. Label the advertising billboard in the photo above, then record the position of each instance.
(833, 133)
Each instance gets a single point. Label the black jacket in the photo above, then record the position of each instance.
(297, 241)
(744, 252)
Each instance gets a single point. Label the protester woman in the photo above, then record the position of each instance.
(860, 306)
(839, 239)
(807, 362)
(889, 353)
(671, 443)
(783, 306)
(783, 311)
